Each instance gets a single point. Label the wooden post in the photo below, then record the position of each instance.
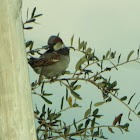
(16, 110)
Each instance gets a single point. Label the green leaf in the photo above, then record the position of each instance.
(75, 124)
(28, 28)
(95, 112)
(138, 52)
(72, 40)
(125, 126)
(90, 105)
(38, 15)
(28, 43)
(42, 88)
(43, 108)
(47, 94)
(113, 54)
(137, 105)
(66, 94)
(107, 54)
(46, 100)
(31, 20)
(85, 45)
(37, 111)
(33, 13)
(73, 83)
(80, 125)
(92, 126)
(113, 84)
(67, 72)
(77, 96)
(87, 122)
(99, 104)
(81, 45)
(119, 58)
(80, 62)
(75, 105)
(87, 113)
(62, 101)
(67, 130)
(129, 55)
(98, 116)
(58, 115)
(102, 84)
(123, 98)
(88, 51)
(77, 87)
(90, 56)
(139, 113)
(131, 98)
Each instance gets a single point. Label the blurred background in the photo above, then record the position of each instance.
(104, 24)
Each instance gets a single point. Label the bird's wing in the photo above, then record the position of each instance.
(46, 61)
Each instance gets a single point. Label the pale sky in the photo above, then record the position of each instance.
(104, 24)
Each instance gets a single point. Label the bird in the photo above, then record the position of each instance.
(54, 62)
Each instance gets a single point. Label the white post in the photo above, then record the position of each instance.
(16, 110)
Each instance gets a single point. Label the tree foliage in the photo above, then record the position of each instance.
(50, 124)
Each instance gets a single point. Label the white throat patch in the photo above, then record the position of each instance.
(58, 46)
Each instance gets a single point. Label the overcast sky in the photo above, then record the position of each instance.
(104, 24)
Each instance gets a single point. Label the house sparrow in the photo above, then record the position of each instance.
(54, 61)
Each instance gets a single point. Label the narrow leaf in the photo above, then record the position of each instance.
(129, 55)
(99, 104)
(80, 62)
(88, 51)
(43, 108)
(77, 87)
(31, 20)
(119, 58)
(81, 45)
(87, 113)
(139, 113)
(28, 28)
(72, 40)
(62, 101)
(66, 94)
(95, 112)
(47, 94)
(137, 106)
(87, 122)
(46, 100)
(80, 125)
(138, 52)
(123, 98)
(107, 54)
(131, 98)
(28, 43)
(33, 12)
(75, 124)
(67, 130)
(77, 96)
(38, 15)
(73, 83)
(92, 126)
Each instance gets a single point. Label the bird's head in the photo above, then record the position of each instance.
(55, 43)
